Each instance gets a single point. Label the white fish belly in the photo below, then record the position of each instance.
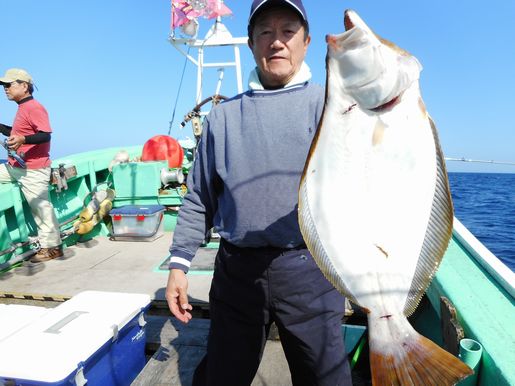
(366, 199)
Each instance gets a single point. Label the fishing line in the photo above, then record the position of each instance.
(463, 159)
(182, 78)
(199, 94)
(179, 91)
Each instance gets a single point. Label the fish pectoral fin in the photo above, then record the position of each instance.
(382, 250)
(378, 134)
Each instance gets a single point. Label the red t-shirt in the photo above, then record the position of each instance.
(30, 118)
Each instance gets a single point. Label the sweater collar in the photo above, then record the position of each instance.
(301, 77)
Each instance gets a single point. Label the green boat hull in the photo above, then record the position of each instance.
(481, 293)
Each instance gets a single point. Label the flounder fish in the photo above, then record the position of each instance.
(375, 207)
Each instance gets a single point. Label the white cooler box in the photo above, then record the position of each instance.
(137, 222)
(96, 338)
(14, 317)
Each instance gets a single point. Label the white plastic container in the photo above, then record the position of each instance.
(14, 317)
(137, 222)
(95, 338)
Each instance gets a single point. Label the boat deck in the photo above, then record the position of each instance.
(182, 347)
(105, 265)
(174, 349)
(125, 266)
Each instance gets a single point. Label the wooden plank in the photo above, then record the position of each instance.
(452, 331)
(171, 366)
(166, 331)
(182, 347)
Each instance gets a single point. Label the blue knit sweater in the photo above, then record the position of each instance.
(245, 179)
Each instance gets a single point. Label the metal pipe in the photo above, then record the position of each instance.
(16, 259)
(13, 247)
(470, 353)
(69, 220)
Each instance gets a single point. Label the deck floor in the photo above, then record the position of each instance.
(105, 265)
(134, 267)
(182, 347)
(124, 266)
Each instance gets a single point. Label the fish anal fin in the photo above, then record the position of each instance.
(419, 362)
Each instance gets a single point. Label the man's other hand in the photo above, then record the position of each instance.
(177, 295)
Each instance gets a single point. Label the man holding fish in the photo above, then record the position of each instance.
(263, 271)
(372, 203)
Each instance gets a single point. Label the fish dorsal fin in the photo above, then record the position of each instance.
(438, 234)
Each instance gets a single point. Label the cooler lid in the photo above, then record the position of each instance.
(138, 209)
(14, 317)
(51, 347)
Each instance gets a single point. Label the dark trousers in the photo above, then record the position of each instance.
(253, 287)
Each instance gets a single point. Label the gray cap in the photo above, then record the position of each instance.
(296, 5)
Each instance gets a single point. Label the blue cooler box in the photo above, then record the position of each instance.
(95, 338)
(137, 222)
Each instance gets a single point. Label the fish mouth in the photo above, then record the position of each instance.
(332, 40)
(347, 22)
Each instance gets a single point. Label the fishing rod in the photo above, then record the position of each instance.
(11, 153)
(463, 159)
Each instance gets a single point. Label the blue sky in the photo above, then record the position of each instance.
(109, 77)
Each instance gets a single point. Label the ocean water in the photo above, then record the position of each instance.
(485, 204)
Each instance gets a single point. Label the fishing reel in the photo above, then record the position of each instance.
(196, 123)
(173, 176)
(195, 116)
(11, 153)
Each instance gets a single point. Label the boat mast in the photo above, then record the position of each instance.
(217, 36)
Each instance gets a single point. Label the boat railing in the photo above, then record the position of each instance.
(501, 273)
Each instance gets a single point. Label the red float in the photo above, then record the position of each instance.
(163, 148)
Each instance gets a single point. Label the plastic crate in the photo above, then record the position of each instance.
(137, 222)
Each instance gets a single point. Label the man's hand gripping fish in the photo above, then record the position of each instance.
(374, 202)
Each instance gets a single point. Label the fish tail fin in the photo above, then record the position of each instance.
(417, 362)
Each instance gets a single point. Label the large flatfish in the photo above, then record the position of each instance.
(375, 207)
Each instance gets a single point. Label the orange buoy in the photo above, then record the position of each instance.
(163, 148)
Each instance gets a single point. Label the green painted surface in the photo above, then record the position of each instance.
(14, 226)
(16, 222)
(138, 179)
(170, 220)
(352, 335)
(485, 310)
(135, 183)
